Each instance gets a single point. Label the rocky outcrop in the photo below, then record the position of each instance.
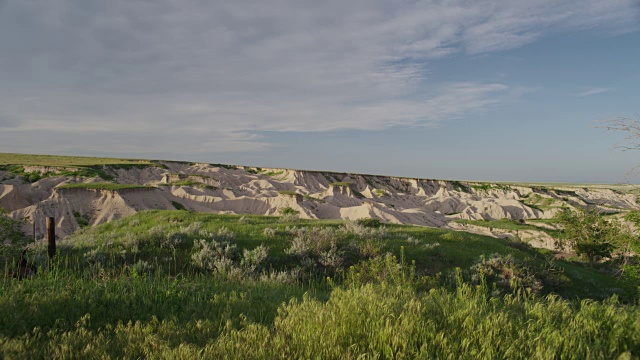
(314, 194)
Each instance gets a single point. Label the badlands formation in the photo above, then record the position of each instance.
(314, 194)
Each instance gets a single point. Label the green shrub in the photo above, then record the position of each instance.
(588, 233)
(288, 211)
(368, 222)
(10, 229)
(80, 219)
(341, 183)
(178, 206)
(380, 192)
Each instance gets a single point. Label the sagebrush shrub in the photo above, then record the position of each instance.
(506, 272)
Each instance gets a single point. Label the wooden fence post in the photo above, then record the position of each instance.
(51, 236)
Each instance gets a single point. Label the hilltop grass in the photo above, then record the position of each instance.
(33, 176)
(63, 161)
(103, 186)
(131, 289)
(485, 187)
(69, 166)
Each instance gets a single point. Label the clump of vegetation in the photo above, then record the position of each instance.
(486, 187)
(325, 251)
(288, 211)
(380, 192)
(482, 187)
(588, 234)
(311, 198)
(32, 176)
(564, 192)
(506, 272)
(289, 218)
(224, 166)
(189, 183)
(459, 186)
(10, 229)
(178, 206)
(288, 193)
(81, 220)
(368, 222)
(341, 184)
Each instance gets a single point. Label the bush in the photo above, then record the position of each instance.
(289, 211)
(368, 222)
(358, 230)
(506, 273)
(178, 206)
(588, 233)
(10, 229)
(213, 255)
(253, 259)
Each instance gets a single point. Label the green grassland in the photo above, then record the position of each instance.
(63, 161)
(65, 165)
(179, 284)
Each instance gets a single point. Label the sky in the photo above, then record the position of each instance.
(469, 90)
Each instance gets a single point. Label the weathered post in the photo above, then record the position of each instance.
(51, 236)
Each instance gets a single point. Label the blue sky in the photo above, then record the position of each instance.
(474, 90)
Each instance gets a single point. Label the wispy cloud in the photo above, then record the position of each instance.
(213, 75)
(593, 91)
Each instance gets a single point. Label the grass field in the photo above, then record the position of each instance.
(63, 161)
(178, 284)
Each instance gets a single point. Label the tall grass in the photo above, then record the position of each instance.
(160, 318)
(143, 287)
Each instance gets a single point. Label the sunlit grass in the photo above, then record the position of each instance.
(55, 160)
(130, 289)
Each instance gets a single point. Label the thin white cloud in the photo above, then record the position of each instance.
(593, 91)
(214, 74)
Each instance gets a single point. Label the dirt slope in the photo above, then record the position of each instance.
(322, 195)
